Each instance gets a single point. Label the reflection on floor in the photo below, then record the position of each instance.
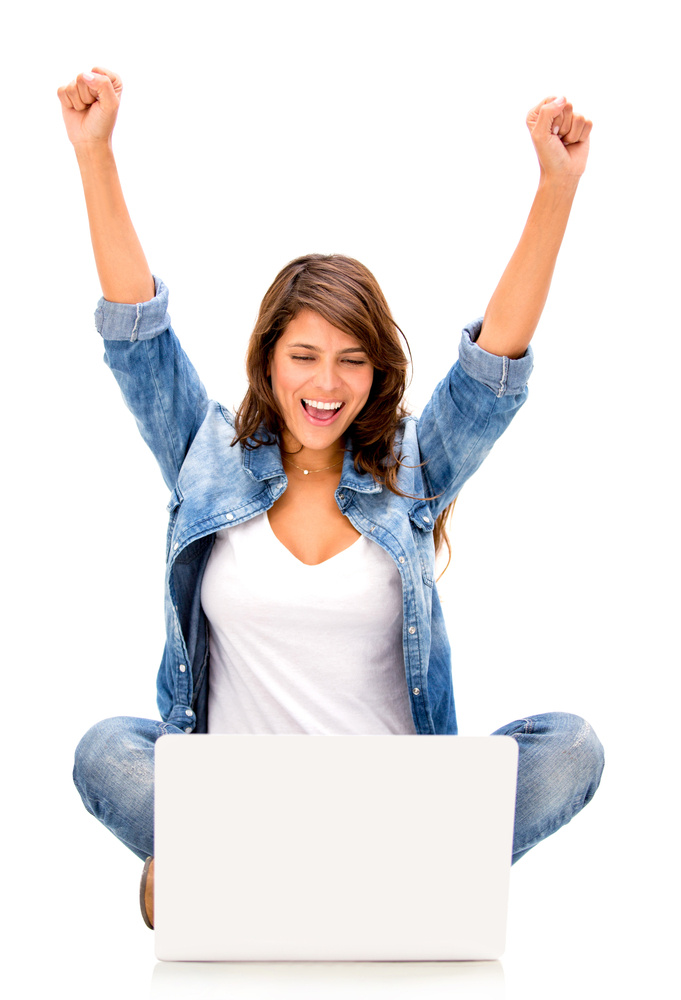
(295, 980)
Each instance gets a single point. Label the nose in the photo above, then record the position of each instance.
(327, 376)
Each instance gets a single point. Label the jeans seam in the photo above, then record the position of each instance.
(528, 728)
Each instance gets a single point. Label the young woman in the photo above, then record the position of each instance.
(300, 594)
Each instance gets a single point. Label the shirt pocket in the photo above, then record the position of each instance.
(422, 524)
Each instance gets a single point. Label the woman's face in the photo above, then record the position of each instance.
(321, 379)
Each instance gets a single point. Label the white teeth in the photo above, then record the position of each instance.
(322, 406)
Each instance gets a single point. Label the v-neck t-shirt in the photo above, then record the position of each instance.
(303, 649)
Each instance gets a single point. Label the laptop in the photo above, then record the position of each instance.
(338, 848)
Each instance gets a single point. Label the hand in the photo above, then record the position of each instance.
(90, 106)
(560, 137)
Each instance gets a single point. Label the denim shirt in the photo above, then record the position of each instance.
(215, 485)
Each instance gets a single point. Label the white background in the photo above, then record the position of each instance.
(394, 133)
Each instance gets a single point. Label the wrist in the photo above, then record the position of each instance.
(560, 184)
(93, 151)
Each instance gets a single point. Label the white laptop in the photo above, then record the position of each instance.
(355, 848)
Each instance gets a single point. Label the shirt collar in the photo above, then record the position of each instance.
(263, 462)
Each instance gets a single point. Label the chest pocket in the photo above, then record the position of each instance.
(422, 524)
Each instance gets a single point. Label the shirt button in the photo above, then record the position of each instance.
(411, 630)
(427, 520)
(417, 690)
(188, 712)
(341, 496)
(188, 729)
(182, 668)
(230, 517)
(401, 559)
(176, 546)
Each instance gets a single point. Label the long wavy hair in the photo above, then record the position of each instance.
(346, 294)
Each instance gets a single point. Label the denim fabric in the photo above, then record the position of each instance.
(560, 761)
(214, 485)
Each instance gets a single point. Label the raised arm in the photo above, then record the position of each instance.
(90, 106)
(561, 141)
(157, 380)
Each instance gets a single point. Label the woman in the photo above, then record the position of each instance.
(310, 521)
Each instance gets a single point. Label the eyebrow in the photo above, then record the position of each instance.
(347, 350)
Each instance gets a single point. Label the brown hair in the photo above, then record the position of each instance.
(346, 294)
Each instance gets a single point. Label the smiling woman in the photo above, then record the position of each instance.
(303, 531)
(325, 368)
(321, 379)
(316, 295)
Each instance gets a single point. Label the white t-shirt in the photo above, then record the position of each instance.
(303, 649)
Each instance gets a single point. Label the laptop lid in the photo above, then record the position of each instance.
(332, 847)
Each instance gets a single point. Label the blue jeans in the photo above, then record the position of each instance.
(560, 763)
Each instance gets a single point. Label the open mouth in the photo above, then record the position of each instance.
(319, 412)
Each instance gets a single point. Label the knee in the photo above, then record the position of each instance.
(91, 754)
(97, 754)
(117, 756)
(581, 752)
(592, 758)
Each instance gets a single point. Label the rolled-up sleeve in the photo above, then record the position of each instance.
(468, 411)
(121, 321)
(159, 383)
(499, 374)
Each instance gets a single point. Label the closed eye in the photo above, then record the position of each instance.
(348, 361)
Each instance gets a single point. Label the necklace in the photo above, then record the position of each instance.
(306, 472)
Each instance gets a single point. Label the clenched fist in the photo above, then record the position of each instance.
(90, 106)
(560, 137)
